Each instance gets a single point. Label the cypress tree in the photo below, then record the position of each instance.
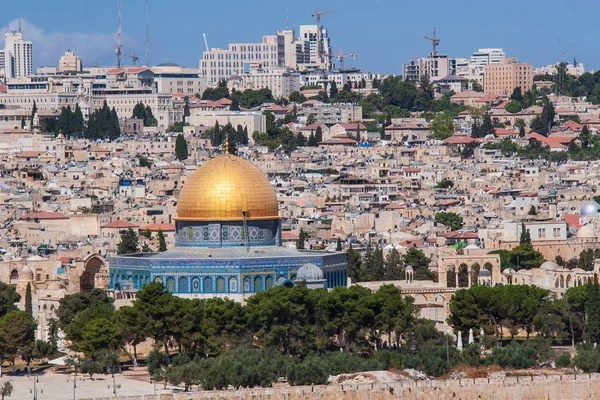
(28, 300)
(128, 243)
(311, 140)
(162, 244)
(593, 312)
(319, 135)
(525, 237)
(181, 148)
(338, 247)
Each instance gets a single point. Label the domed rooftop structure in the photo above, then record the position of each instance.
(484, 273)
(410, 269)
(26, 273)
(549, 266)
(227, 188)
(586, 232)
(589, 209)
(309, 273)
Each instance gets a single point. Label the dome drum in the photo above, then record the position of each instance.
(228, 233)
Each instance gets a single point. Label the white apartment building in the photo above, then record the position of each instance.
(436, 66)
(280, 80)
(577, 69)
(17, 57)
(254, 121)
(340, 78)
(69, 63)
(483, 57)
(175, 79)
(280, 50)
(338, 113)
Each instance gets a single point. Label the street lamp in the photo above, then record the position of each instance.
(36, 380)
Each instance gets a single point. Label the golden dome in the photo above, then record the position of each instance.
(223, 189)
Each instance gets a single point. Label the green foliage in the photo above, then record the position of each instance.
(445, 184)
(514, 356)
(28, 300)
(237, 137)
(143, 161)
(250, 98)
(525, 236)
(144, 114)
(297, 97)
(449, 219)
(417, 259)
(176, 127)
(355, 269)
(181, 148)
(587, 358)
(309, 372)
(217, 93)
(162, 244)
(8, 298)
(103, 124)
(129, 243)
(513, 106)
(442, 126)
(593, 312)
(302, 238)
(481, 130)
(524, 256)
(338, 246)
(6, 389)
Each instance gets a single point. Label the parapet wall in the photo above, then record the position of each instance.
(520, 387)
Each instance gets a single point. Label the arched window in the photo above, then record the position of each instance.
(207, 287)
(257, 285)
(183, 285)
(233, 285)
(246, 285)
(171, 284)
(220, 284)
(135, 282)
(158, 279)
(195, 285)
(269, 282)
(14, 275)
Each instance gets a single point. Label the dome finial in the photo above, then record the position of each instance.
(227, 144)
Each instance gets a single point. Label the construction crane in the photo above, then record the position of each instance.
(119, 50)
(341, 56)
(435, 41)
(318, 16)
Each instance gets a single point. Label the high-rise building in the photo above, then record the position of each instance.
(436, 67)
(280, 50)
(17, 58)
(69, 62)
(483, 57)
(501, 79)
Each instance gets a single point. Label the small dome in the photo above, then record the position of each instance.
(550, 266)
(586, 232)
(472, 247)
(410, 268)
(589, 209)
(310, 204)
(26, 273)
(310, 272)
(484, 273)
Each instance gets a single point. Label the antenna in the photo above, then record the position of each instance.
(147, 41)
(206, 42)
(287, 15)
(119, 44)
(19, 24)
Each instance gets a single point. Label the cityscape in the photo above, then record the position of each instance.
(280, 220)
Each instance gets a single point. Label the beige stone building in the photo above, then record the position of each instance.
(503, 78)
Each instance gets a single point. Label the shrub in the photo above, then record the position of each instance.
(587, 358)
(309, 372)
(563, 360)
(514, 356)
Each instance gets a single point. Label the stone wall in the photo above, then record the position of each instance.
(518, 387)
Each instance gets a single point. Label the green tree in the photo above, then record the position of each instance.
(445, 184)
(6, 389)
(28, 300)
(593, 312)
(532, 210)
(333, 90)
(449, 219)
(34, 110)
(312, 142)
(156, 305)
(525, 236)
(129, 243)
(302, 238)
(319, 135)
(8, 298)
(17, 336)
(162, 244)
(133, 327)
(100, 334)
(524, 256)
(338, 246)
(420, 263)
(181, 148)
(297, 97)
(356, 271)
(442, 126)
(513, 106)
(393, 265)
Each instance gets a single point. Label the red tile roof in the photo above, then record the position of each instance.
(120, 224)
(161, 227)
(43, 215)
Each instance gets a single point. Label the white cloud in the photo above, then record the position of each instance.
(48, 47)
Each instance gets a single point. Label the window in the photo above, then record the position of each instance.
(171, 284)
(257, 285)
(556, 232)
(220, 285)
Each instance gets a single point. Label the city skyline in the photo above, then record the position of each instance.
(462, 29)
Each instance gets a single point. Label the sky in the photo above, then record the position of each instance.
(383, 33)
